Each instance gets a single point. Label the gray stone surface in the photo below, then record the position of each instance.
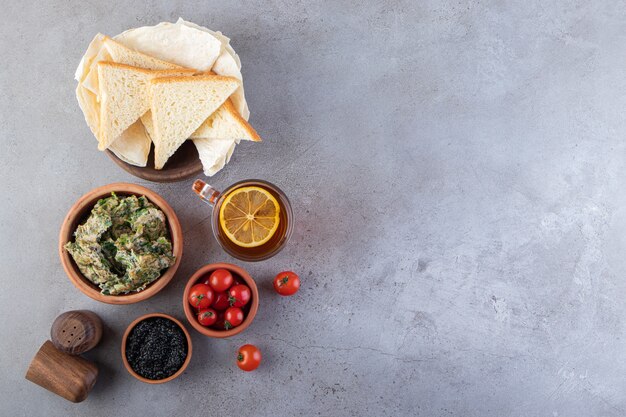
(457, 171)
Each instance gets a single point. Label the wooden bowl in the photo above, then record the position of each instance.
(254, 301)
(155, 381)
(183, 164)
(79, 213)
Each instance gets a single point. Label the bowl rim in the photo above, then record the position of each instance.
(77, 211)
(158, 176)
(254, 306)
(171, 377)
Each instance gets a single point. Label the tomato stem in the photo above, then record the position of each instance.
(239, 357)
(284, 281)
(227, 325)
(199, 298)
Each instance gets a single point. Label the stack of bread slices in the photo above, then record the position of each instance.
(142, 100)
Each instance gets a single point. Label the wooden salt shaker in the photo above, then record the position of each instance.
(71, 377)
(76, 332)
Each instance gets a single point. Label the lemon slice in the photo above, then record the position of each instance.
(249, 216)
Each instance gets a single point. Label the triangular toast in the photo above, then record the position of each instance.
(179, 105)
(125, 55)
(114, 51)
(124, 97)
(226, 123)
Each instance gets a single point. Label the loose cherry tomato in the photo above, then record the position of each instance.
(220, 301)
(221, 280)
(233, 317)
(201, 296)
(239, 295)
(248, 358)
(207, 317)
(287, 283)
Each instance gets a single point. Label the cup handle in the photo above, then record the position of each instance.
(207, 193)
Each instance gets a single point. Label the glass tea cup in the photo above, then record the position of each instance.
(258, 252)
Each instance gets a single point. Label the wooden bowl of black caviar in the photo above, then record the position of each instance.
(156, 348)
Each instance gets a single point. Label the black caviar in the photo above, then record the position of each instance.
(156, 348)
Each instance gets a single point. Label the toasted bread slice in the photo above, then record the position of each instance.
(111, 50)
(124, 55)
(226, 123)
(133, 145)
(214, 152)
(180, 105)
(124, 97)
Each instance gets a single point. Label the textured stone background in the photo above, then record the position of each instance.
(457, 171)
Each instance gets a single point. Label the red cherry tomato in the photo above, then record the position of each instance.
(201, 296)
(207, 317)
(219, 322)
(287, 283)
(233, 317)
(239, 295)
(248, 358)
(221, 280)
(220, 301)
(236, 280)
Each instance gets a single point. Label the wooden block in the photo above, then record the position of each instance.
(77, 331)
(71, 377)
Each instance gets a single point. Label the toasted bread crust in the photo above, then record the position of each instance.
(109, 40)
(118, 65)
(195, 78)
(248, 128)
(157, 73)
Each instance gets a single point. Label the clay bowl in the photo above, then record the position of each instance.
(79, 213)
(185, 163)
(236, 271)
(155, 381)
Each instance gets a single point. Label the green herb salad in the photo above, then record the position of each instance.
(124, 245)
